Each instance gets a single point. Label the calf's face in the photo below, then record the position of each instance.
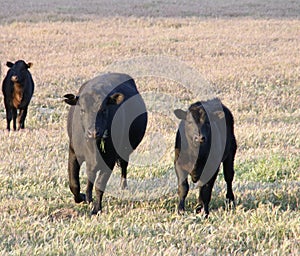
(18, 70)
(96, 115)
(197, 126)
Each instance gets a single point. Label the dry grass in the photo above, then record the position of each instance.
(253, 66)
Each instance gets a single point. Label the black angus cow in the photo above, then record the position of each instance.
(17, 88)
(106, 123)
(193, 147)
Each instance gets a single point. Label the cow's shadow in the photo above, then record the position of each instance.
(249, 196)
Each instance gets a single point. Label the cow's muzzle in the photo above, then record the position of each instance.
(199, 139)
(92, 134)
(14, 78)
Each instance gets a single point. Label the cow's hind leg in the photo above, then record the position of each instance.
(73, 171)
(228, 175)
(123, 165)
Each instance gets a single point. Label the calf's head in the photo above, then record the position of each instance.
(18, 70)
(196, 125)
(96, 114)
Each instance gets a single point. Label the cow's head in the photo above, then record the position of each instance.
(18, 70)
(197, 125)
(96, 114)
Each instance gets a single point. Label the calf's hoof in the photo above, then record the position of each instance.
(96, 212)
(180, 210)
(80, 198)
(229, 204)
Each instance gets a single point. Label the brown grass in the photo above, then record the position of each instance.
(250, 54)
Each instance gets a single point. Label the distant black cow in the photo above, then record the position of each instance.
(17, 88)
(105, 124)
(202, 122)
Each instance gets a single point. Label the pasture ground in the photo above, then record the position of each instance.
(250, 54)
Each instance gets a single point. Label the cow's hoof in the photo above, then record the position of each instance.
(229, 204)
(96, 212)
(181, 211)
(80, 198)
(89, 199)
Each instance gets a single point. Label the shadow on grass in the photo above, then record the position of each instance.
(249, 196)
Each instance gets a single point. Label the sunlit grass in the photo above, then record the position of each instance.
(253, 66)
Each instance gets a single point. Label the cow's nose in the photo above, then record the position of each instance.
(199, 138)
(14, 78)
(92, 134)
(202, 139)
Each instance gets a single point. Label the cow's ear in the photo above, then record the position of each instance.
(71, 99)
(9, 64)
(180, 114)
(116, 98)
(220, 114)
(29, 64)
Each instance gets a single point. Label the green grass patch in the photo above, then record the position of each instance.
(269, 169)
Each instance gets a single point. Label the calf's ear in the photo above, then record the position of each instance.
(116, 98)
(71, 99)
(180, 114)
(29, 64)
(9, 64)
(220, 114)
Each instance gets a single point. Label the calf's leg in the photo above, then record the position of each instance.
(228, 175)
(89, 191)
(8, 114)
(22, 117)
(14, 117)
(73, 171)
(124, 165)
(100, 184)
(183, 189)
(205, 195)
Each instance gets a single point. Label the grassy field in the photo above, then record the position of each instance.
(249, 52)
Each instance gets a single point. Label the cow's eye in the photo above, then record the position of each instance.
(190, 122)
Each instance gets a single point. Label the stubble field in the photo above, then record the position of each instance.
(250, 55)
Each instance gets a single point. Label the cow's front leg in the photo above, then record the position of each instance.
(14, 117)
(89, 191)
(98, 204)
(100, 185)
(23, 114)
(183, 189)
(205, 194)
(8, 114)
(19, 118)
(73, 171)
